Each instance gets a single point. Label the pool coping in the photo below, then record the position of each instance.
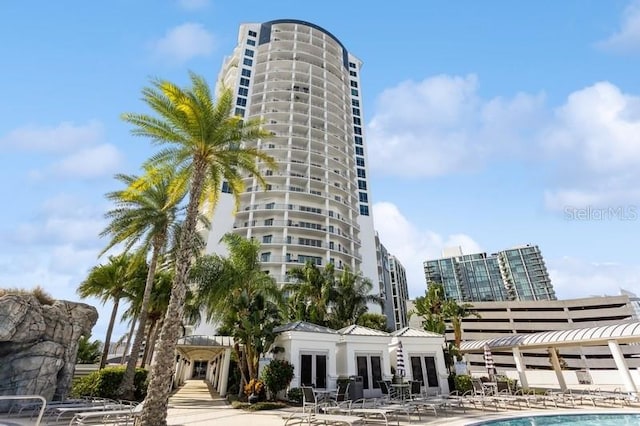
(506, 415)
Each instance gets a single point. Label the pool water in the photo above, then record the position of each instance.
(613, 419)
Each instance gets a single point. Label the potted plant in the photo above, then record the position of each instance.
(255, 390)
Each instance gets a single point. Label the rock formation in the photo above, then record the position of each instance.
(39, 344)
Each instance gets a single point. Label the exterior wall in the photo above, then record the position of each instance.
(352, 346)
(500, 318)
(385, 290)
(606, 380)
(305, 87)
(414, 346)
(400, 292)
(295, 343)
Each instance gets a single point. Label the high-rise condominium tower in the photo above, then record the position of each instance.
(305, 86)
(517, 273)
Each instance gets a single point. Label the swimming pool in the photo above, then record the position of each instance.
(602, 419)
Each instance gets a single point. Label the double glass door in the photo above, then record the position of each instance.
(313, 370)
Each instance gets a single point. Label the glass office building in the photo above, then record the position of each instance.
(517, 273)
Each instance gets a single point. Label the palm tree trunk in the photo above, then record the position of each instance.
(107, 339)
(147, 347)
(134, 320)
(127, 387)
(156, 404)
(156, 334)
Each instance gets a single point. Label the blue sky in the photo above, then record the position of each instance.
(489, 124)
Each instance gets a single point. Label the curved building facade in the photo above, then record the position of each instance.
(305, 86)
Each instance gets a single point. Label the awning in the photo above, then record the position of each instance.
(621, 333)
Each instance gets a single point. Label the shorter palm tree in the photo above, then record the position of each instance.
(109, 283)
(311, 293)
(352, 294)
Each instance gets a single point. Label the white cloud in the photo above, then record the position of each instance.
(62, 220)
(184, 42)
(64, 137)
(627, 38)
(413, 245)
(594, 139)
(573, 277)
(193, 4)
(88, 163)
(441, 125)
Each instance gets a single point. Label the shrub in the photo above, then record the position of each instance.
(277, 375)
(104, 383)
(295, 395)
(463, 383)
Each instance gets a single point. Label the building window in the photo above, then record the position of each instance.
(248, 62)
(331, 245)
(362, 173)
(352, 73)
(352, 65)
(251, 42)
(268, 222)
(267, 238)
(362, 184)
(356, 120)
(358, 140)
(252, 33)
(265, 257)
(369, 368)
(357, 130)
(354, 92)
(356, 111)
(246, 72)
(240, 112)
(241, 102)
(249, 53)
(243, 91)
(364, 210)
(359, 150)
(363, 197)
(353, 83)
(244, 81)
(360, 161)
(355, 102)
(225, 187)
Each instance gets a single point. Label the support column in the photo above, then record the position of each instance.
(521, 368)
(618, 357)
(557, 368)
(224, 371)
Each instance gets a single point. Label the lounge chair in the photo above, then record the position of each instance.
(117, 417)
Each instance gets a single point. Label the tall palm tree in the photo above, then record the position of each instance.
(352, 294)
(204, 143)
(145, 214)
(311, 293)
(109, 282)
(237, 293)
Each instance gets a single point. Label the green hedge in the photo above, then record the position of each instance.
(104, 383)
(463, 383)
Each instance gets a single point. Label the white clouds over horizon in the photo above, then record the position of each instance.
(65, 137)
(412, 245)
(627, 38)
(440, 125)
(589, 145)
(184, 42)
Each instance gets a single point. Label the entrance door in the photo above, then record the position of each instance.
(370, 369)
(313, 370)
(424, 369)
(199, 370)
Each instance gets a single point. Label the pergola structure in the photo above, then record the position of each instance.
(214, 349)
(611, 335)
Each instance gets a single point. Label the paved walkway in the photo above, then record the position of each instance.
(196, 404)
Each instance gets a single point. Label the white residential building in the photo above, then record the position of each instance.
(305, 86)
